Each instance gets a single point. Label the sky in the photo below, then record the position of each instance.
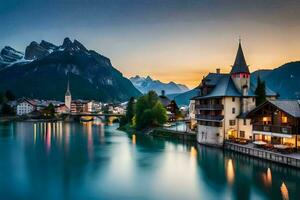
(170, 40)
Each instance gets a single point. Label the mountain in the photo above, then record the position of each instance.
(284, 80)
(184, 98)
(43, 71)
(146, 84)
(262, 73)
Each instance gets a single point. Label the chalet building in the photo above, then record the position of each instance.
(223, 104)
(25, 106)
(170, 106)
(277, 122)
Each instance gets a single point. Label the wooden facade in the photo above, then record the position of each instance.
(274, 125)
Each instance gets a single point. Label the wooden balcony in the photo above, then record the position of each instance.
(275, 129)
(216, 118)
(209, 106)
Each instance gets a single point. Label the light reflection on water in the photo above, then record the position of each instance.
(267, 177)
(284, 192)
(230, 171)
(133, 139)
(92, 161)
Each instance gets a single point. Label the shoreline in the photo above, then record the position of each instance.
(284, 159)
(18, 119)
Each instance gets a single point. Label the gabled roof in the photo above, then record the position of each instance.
(224, 86)
(240, 65)
(30, 101)
(164, 100)
(290, 107)
(213, 78)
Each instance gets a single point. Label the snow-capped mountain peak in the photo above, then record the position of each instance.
(145, 84)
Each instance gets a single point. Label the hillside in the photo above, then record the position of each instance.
(285, 80)
(43, 71)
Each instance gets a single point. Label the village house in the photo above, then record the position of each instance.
(61, 108)
(170, 106)
(78, 106)
(224, 101)
(25, 106)
(277, 122)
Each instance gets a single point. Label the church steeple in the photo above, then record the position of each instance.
(68, 97)
(240, 65)
(68, 93)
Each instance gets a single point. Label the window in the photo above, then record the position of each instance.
(242, 134)
(245, 122)
(233, 99)
(233, 110)
(232, 122)
(284, 119)
(253, 99)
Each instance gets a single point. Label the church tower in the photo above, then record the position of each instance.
(240, 72)
(68, 97)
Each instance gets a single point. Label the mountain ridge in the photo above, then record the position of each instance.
(145, 84)
(284, 80)
(91, 74)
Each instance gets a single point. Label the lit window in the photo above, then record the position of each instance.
(284, 119)
(266, 120)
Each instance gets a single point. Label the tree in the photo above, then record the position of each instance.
(7, 110)
(160, 114)
(260, 91)
(1, 98)
(10, 96)
(130, 110)
(149, 111)
(49, 111)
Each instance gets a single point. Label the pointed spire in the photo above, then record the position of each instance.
(68, 93)
(240, 65)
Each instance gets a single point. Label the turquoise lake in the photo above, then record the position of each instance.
(93, 161)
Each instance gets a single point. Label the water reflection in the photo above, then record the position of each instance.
(89, 160)
(193, 152)
(34, 133)
(230, 171)
(267, 177)
(48, 137)
(284, 192)
(88, 129)
(133, 139)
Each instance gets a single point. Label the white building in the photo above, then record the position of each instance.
(25, 106)
(223, 103)
(68, 98)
